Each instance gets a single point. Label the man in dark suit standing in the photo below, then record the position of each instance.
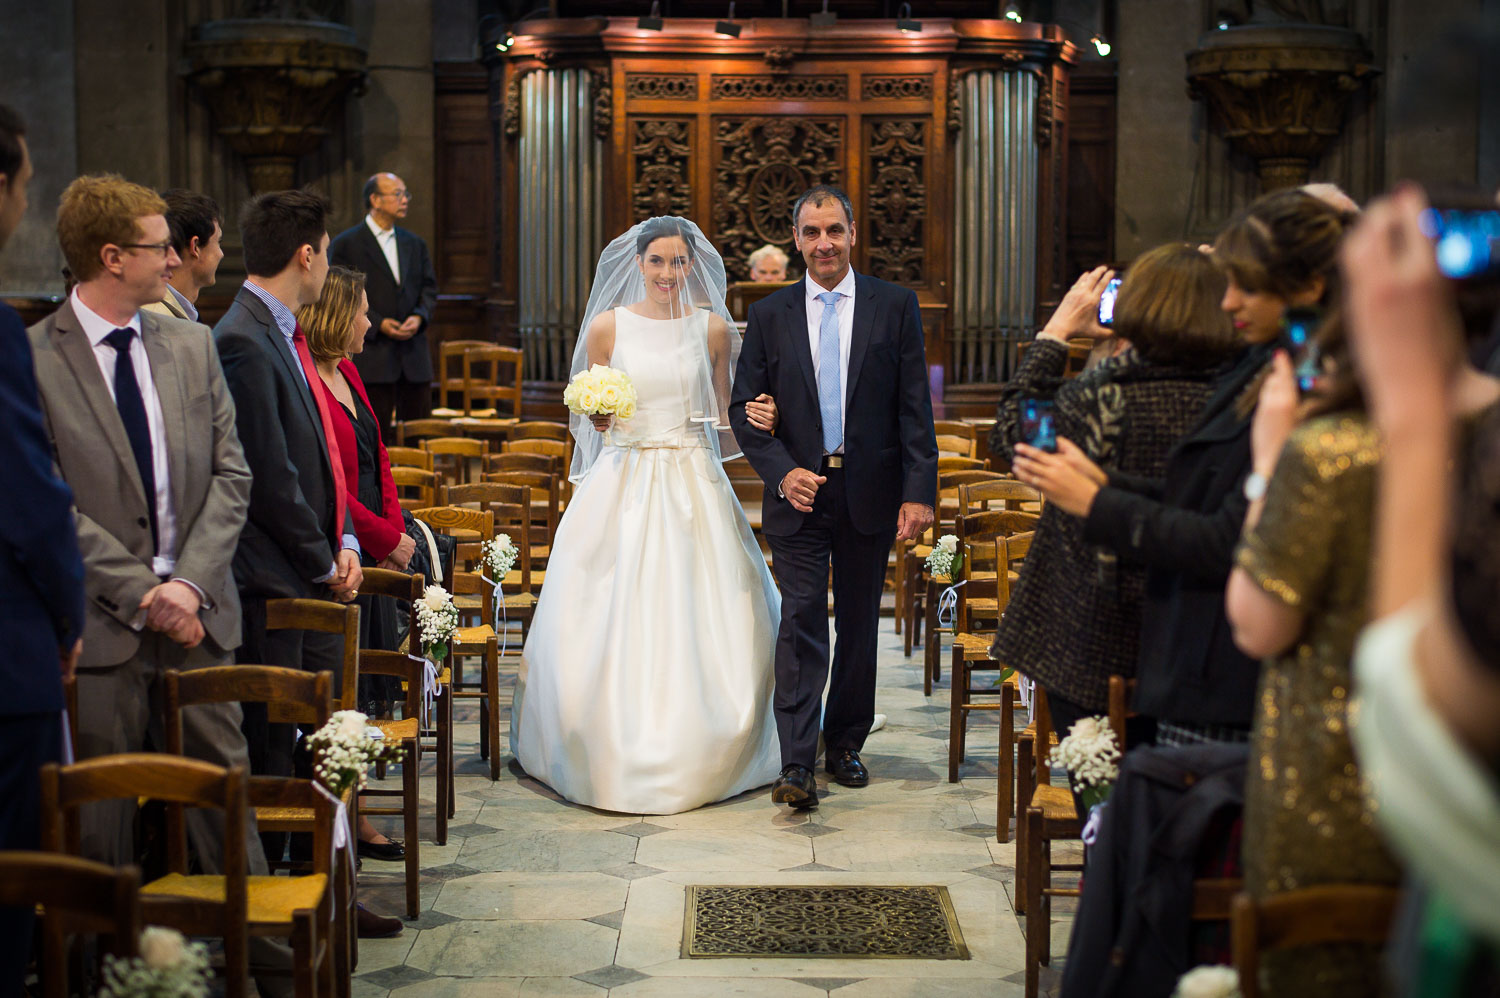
(41, 577)
(851, 467)
(299, 538)
(396, 364)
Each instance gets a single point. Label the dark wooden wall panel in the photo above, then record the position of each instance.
(464, 214)
(1091, 167)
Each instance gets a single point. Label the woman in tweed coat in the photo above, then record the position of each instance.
(1074, 616)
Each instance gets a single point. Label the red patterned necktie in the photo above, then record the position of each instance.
(314, 385)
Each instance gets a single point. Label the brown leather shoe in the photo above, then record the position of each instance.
(372, 926)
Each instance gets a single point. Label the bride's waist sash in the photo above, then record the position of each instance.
(678, 438)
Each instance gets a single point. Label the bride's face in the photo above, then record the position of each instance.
(665, 265)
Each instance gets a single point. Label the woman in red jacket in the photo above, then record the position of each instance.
(335, 328)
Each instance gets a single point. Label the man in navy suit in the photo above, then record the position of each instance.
(41, 577)
(396, 364)
(851, 467)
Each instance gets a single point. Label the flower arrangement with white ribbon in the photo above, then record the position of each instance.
(1092, 758)
(946, 557)
(500, 557)
(1208, 982)
(601, 391)
(169, 967)
(344, 750)
(438, 618)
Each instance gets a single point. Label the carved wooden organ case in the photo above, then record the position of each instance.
(950, 143)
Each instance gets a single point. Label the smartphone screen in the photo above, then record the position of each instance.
(1467, 241)
(1297, 328)
(1038, 426)
(1107, 302)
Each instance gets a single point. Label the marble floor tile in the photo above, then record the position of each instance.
(724, 850)
(549, 851)
(716, 987)
(865, 850)
(532, 896)
(557, 948)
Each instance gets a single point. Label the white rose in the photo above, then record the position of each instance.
(1086, 729)
(351, 724)
(610, 397)
(162, 949)
(626, 410)
(948, 542)
(588, 401)
(435, 598)
(1208, 982)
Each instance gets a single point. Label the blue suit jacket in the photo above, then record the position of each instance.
(41, 574)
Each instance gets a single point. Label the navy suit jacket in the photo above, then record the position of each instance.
(890, 451)
(41, 573)
(386, 361)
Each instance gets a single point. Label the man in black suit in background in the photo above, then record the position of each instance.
(41, 577)
(851, 467)
(396, 364)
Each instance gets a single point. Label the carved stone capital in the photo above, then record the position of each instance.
(1279, 93)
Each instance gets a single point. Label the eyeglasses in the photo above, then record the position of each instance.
(398, 195)
(159, 247)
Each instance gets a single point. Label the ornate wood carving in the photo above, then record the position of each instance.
(661, 151)
(916, 87)
(661, 86)
(763, 163)
(779, 58)
(955, 100)
(896, 199)
(796, 88)
(604, 104)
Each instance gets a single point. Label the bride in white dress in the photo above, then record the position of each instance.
(646, 682)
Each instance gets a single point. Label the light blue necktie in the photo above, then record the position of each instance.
(829, 403)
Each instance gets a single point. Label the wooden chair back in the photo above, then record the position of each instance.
(76, 896)
(546, 464)
(538, 445)
(997, 493)
(410, 432)
(471, 529)
(956, 462)
(984, 571)
(546, 490)
(510, 505)
(451, 456)
(325, 617)
(540, 429)
(180, 783)
(303, 697)
(1120, 691)
(409, 457)
(491, 376)
(415, 488)
(385, 662)
(452, 373)
(1327, 913)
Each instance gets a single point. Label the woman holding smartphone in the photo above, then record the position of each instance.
(1074, 617)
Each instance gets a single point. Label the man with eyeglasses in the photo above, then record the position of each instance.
(396, 364)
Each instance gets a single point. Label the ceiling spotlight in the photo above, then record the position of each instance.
(1101, 46)
(652, 21)
(727, 26)
(1013, 13)
(824, 18)
(904, 22)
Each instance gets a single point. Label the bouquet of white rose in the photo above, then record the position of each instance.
(343, 751)
(168, 967)
(1092, 758)
(1208, 982)
(500, 557)
(438, 618)
(946, 557)
(601, 391)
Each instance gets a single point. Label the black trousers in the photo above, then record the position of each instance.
(408, 399)
(27, 742)
(801, 563)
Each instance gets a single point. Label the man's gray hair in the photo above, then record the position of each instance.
(817, 194)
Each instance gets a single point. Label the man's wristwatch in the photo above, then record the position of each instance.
(1255, 486)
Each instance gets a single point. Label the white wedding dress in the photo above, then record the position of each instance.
(646, 682)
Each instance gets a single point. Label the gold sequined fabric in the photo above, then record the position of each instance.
(1307, 818)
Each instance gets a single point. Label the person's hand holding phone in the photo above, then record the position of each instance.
(1039, 424)
(1078, 313)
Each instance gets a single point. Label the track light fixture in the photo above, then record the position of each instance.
(824, 18)
(727, 26)
(1101, 46)
(652, 21)
(904, 22)
(1013, 13)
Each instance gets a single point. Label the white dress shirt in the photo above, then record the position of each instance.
(844, 308)
(96, 327)
(387, 240)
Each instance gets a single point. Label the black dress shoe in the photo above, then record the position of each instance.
(372, 926)
(846, 769)
(795, 786)
(388, 850)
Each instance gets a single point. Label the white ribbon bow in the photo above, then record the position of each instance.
(340, 828)
(500, 623)
(430, 686)
(948, 604)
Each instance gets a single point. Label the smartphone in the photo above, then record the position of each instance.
(1038, 424)
(1467, 241)
(1107, 302)
(1297, 328)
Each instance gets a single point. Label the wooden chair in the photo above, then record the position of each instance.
(992, 544)
(452, 377)
(541, 429)
(415, 488)
(546, 464)
(999, 493)
(492, 375)
(1049, 814)
(911, 555)
(207, 905)
(412, 431)
(956, 462)
(409, 457)
(283, 803)
(546, 503)
(76, 895)
(1326, 913)
(472, 528)
(538, 445)
(451, 456)
(323, 617)
(956, 438)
